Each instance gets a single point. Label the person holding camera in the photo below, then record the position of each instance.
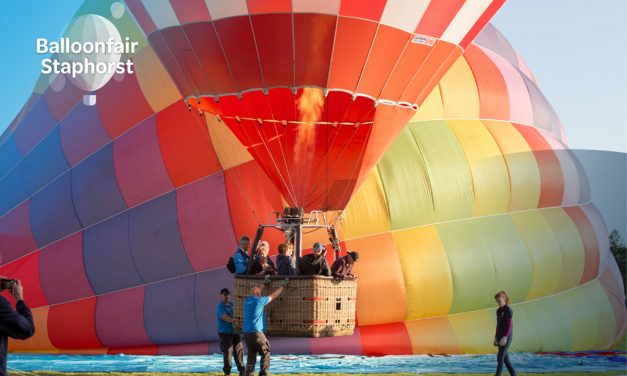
(15, 323)
(315, 263)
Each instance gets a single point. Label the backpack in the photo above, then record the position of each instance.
(231, 265)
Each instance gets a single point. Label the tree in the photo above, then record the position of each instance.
(618, 249)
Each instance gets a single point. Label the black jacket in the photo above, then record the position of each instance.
(16, 324)
(313, 264)
(286, 265)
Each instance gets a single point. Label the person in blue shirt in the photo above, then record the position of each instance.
(230, 342)
(240, 258)
(253, 328)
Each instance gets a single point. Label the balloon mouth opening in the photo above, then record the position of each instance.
(239, 105)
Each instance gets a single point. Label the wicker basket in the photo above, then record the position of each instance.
(311, 306)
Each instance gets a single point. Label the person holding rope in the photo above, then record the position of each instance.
(254, 326)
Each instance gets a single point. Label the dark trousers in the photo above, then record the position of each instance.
(232, 347)
(257, 343)
(503, 357)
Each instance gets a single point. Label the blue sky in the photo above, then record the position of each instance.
(576, 49)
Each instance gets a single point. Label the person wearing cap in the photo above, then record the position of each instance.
(254, 326)
(315, 263)
(343, 266)
(230, 343)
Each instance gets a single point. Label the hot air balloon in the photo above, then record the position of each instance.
(315, 90)
(92, 28)
(137, 203)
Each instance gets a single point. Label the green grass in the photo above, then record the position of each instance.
(45, 373)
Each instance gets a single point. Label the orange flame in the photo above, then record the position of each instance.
(309, 106)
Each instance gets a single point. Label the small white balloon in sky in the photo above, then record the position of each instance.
(92, 28)
(117, 10)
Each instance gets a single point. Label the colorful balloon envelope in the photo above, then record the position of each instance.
(316, 90)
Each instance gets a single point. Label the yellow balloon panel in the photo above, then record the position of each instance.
(526, 336)
(229, 150)
(509, 256)
(424, 264)
(155, 82)
(571, 247)
(367, 212)
(544, 252)
(597, 298)
(406, 183)
(584, 325)
(489, 173)
(459, 92)
(432, 336)
(523, 172)
(447, 171)
(551, 323)
(472, 270)
(432, 108)
(475, 331)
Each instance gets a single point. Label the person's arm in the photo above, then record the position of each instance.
(337, 269)
(509, 323)
(227, 318)
(275, 294)
(223, 315)
(325, 268)
(16, 323)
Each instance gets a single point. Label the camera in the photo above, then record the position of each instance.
(6, 284)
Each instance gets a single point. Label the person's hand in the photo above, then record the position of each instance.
(17, 290)
(496, 343)
(503, 341)
(266, 279)
(285, 282)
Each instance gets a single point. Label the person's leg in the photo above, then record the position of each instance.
(251, 346)
(238, 353)
(226, 346)
(499, 360)
(508, 364)
(264, 352)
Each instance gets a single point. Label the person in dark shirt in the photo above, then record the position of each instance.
(262, 263)
(285, 261)
(230, 343)
(315, 263)
(17, 324)
(504, 332)
(343, 266)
